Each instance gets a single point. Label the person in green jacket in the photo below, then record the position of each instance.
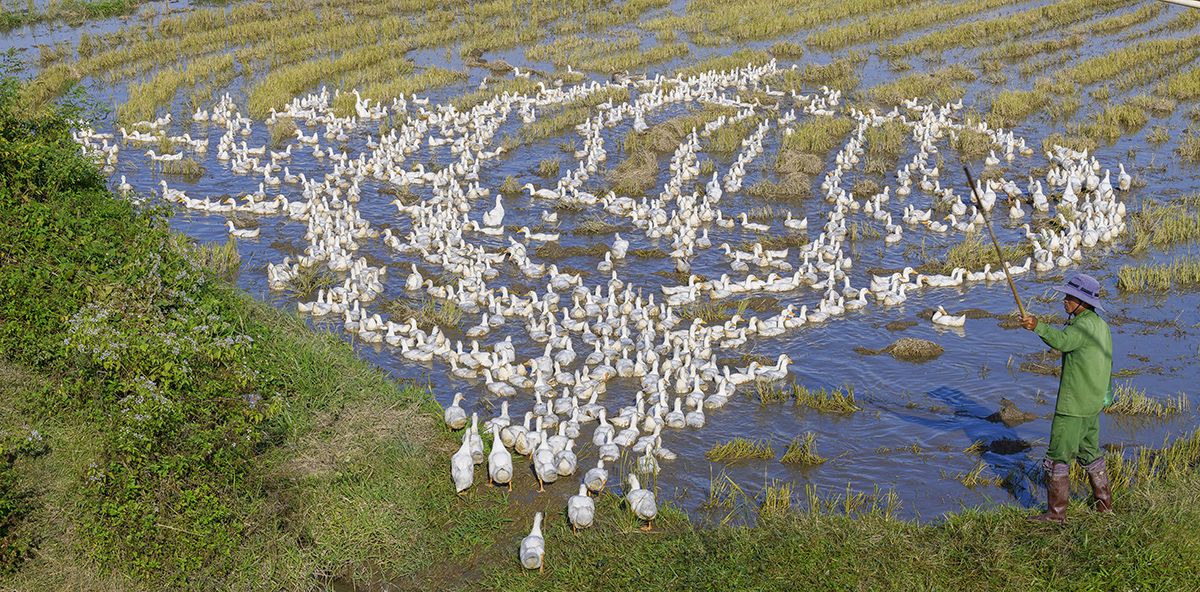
(1083, 392)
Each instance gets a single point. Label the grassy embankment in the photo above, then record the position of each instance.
(188, 436)
(161, 430)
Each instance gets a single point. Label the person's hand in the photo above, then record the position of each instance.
(1029, 322)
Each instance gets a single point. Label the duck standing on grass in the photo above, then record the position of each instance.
(1083, 391)
(533, 546)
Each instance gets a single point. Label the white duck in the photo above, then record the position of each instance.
(941, 317)
(454, 416)
(596, 478)
(641, 502)
(753, 226)
(495, 216)
(581, 510)
(462, 468)
(242, 232)
(533, 546)
(500, 464)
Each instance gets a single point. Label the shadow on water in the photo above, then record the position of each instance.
(1004, 451)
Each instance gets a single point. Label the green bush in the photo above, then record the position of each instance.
(15, 547)
(148, 346)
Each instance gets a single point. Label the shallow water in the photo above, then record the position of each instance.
(917, 419)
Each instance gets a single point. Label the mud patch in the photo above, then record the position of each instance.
(1010, 415)
(1008, 446)
(899, 325)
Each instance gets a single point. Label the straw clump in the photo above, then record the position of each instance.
(186, 167)
(427, 314)
(826, 400)
(803, 451)
(973, 253)
(740, 449)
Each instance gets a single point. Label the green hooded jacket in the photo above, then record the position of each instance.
(1086, 345)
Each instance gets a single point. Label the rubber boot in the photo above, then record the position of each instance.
(1058, 492)
(1097, 473)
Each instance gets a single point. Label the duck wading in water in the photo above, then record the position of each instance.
(1083, 392)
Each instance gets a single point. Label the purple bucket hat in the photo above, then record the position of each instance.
(1084, 287)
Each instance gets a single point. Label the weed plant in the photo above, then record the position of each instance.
(1013, 25)
(787, 50)
(1132, 401)
(1181, 274)
(803, 451)
(740, 449)
(826, 400)
(889, 25)
(1163, 225)
(185, 167)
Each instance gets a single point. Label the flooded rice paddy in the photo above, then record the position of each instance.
(837, 115)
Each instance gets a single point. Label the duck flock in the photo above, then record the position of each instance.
(582, 338)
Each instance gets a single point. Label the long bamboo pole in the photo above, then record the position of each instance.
(995, 243)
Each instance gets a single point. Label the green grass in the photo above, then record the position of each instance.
(652, 253)
(1130, 400)
(941, 86)
(1011, 107)
(185, 167)
(786, 50)
(841, 73)
(853, 540)
(818, 135)
(727, 139)
(1161, 226)
(70, 11)
(981, 32)
(1114, 121)
(709, 312)
(972, 253)
(548, 167)
(282, 131)
(1181, 274)
(510, 186)
(1189, 147)
(428, 313)
(975, 477)
(740, 449)
(884, 145)
(893, 24)
(1113, 24)
(1127, 60)
(826, 400)
(569, 115)
(1183, 86)
(803, 451)
(972, 144)
(309, 280)
(1159, 135)
(222, 259)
